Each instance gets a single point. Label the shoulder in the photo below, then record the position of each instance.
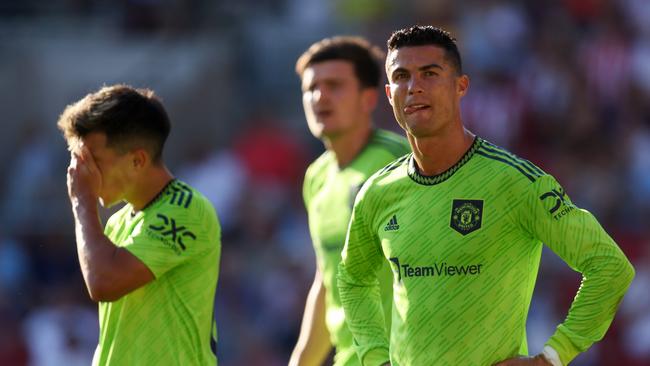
(181, 195)
(381, 174)
(185, 202)
(390, 142)
(517, 171)
(523, 180)
(318, 166)
(392, 173)
(183, 218)
(316, 173)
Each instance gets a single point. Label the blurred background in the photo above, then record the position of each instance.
(564, 83)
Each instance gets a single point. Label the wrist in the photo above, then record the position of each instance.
(85, 203)
(550, 355)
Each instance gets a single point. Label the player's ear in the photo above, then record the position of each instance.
(462, 85)
(140, 158)
(388, 95)
(369, 98)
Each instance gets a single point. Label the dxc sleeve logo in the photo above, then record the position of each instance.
(560, 200)
(170, 230)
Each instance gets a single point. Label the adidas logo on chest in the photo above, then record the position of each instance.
(392, 224)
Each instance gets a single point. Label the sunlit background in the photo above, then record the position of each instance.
(564, 83)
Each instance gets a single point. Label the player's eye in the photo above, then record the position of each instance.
(400, 76)
(334, 85)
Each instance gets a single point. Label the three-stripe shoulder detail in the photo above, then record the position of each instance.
(181, 194)
(525, 167)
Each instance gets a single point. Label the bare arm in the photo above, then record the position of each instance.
(109, 272)
(313, 344)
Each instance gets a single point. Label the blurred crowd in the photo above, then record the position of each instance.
(563, 83)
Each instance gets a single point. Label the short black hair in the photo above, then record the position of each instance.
(129, 117)
(423, 35)
(366, 58)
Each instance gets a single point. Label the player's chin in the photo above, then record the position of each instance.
(420, 128)
(332, 131)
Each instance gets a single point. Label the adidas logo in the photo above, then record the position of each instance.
(392, 224)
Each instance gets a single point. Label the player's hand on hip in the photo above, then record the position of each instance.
(538, 360)
(84, 177)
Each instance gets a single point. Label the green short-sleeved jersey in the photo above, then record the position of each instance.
(329, 194)
(170, 320)
(465, 248)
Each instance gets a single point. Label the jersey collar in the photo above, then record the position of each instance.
(155, 199)
(415, 175)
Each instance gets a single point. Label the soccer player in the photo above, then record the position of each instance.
(154, 267)
(340, 79)
(462, 223)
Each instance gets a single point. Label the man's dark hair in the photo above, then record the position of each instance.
(130, 118)
(424, 35)
(366, 58)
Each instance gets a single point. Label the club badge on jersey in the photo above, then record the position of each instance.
(466, 216)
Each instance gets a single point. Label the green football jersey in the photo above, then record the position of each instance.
(329, 193)
(465, 248)
(170, 320)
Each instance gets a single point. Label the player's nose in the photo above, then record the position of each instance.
(415, 86)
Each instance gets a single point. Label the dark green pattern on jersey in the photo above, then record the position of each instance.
(465, 247)
(170, 320)
(329, 193)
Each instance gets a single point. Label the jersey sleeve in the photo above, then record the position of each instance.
(576, 236)
(359, 287)
(172, 235)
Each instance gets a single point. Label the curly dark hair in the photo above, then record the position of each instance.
(423, 35)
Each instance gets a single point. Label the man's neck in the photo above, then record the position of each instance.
(436, 154)
(149, 187)
(347, 147)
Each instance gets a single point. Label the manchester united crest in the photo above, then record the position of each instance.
(466, 216)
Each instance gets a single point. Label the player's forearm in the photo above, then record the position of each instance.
(363, 314)
(313, 343)
(94, 249)
(359, 291)
(605, 281)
